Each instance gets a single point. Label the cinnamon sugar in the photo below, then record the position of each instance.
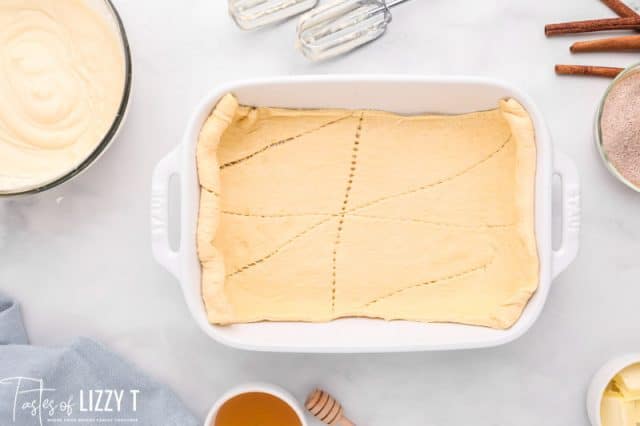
(620, 125)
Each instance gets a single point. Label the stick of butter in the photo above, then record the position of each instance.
(615, 411)
(620, 405)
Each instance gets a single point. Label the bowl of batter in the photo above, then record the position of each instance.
(65, 76)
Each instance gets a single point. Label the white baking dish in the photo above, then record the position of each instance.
(400, 94)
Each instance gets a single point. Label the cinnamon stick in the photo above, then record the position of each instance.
(630, 23)
(613, 44)
(620, 8)
(609, 72)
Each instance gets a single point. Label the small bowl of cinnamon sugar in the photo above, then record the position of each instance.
(618, 127)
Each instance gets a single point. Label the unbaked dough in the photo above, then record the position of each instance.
(313, 215)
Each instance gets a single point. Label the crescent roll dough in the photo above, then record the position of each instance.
(313, 215)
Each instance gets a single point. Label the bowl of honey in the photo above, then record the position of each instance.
(256, 404)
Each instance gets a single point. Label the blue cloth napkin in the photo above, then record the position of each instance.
(80, 384)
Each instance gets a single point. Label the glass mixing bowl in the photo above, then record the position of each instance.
(633, 69)
(106, 9)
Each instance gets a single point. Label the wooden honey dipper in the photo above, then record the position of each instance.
(325, 408)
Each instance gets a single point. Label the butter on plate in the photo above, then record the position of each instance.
(628, 382)
(620, 404)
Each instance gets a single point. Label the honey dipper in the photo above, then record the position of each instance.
(325, 408)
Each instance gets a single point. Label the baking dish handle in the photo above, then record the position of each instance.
(162, 251)
(568, 250)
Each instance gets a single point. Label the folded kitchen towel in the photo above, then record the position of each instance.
(80, 384)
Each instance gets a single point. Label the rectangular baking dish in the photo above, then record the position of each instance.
(399, 94)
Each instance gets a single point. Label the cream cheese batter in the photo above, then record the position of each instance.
(62, 77)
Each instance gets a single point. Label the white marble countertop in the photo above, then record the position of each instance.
(78, 257)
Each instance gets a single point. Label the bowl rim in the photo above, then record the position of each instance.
(115, 125)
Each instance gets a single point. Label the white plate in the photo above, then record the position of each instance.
(400, 94)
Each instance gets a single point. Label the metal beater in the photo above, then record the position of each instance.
(253, 14)
(342, 25)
